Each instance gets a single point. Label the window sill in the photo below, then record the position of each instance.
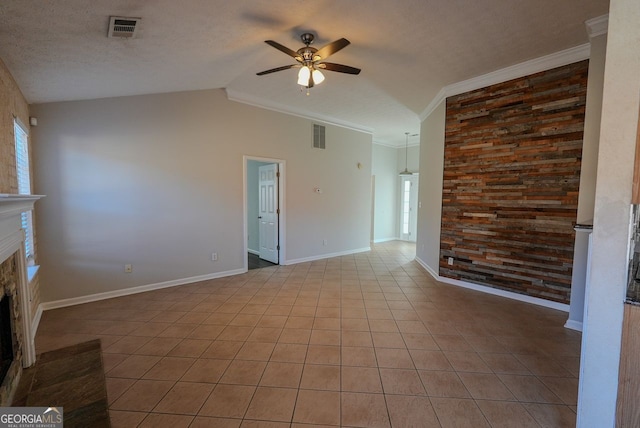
(31, 272)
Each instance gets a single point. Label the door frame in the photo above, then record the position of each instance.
(414, 219)
(281, 205)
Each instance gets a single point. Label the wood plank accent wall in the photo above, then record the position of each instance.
(511, 178)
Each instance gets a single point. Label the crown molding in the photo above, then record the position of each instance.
(241, 97)
(597, 26)
(395, 146)
(547, 62)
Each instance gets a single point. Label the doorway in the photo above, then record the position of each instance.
(263, 212)
(408, 207)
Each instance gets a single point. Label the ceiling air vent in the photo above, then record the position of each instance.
(124, 28)
(318, 136)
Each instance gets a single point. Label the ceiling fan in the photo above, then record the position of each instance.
(311, 60)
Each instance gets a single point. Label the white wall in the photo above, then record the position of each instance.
(253, 239)
(412, 158)
(384, 163)
(156, 181)
(606, 291)
(430, 188)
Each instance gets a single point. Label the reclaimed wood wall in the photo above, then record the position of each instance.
(511, 178)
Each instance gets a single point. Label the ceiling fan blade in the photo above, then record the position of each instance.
(331, 48)
(284, 49)
(273, 70)
(338, 67)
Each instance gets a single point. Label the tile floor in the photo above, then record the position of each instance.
(368, 340)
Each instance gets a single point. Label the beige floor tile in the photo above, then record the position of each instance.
(467, 362)
(230, 332)
(412, 327)
(529, 389)
(193, 348)
(184, 398)
(116, 387)
(430, 360)
(228, 401)
(248, 423)
(504, 414)
(295, 321)
(325, 337)
(358, 356)
(178, 330)
(383, 326)
(485, 386)
(126, 345)
(207, 422)
(265, 334)
(565, 388)
(124, 419)
(394, 358)
(448, 342)
(364, 410)
(354, 324)
(169, 368)
(255, 351)
(243, 372)
(504, 363)
(551, 416)
(295, 335)
(361, 379)
(245, 320)
(206, 370)
(411, 411)
(221, 349)
(285, 375)
(142, 396)
(420, 341)
(159, 346)
(387, 340)
(134, 367)
(319, 354)
(443, 384)
(401, 381)
(289, 353)
(542, 366)
(321, 377)
(308, 411)
(357, 339)
(459, 413)
(272, 404)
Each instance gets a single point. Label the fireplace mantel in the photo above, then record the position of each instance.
(12, 241)
(12, 205)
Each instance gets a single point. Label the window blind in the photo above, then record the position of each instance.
(24, 182)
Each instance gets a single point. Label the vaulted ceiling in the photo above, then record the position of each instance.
(407, 50)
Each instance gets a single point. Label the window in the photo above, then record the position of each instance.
(24, 184)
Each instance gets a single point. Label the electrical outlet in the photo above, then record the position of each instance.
(450, 261)
(214, 257)
(324, 242)
(128, 268)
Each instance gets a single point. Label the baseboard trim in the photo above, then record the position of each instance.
(325, 256)
(378, 241)
(573, 325)
(135, 290)
(36, 320)
(495, 291)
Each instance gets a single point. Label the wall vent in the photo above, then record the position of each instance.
(318, 136)
(124, 28)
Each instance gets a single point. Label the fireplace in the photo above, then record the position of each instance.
(6, 337)
(17, 348)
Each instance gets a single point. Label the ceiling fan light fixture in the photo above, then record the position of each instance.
(318, 77)
(303, 76)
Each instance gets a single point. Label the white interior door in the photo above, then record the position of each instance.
(408, 207)
(268, 212)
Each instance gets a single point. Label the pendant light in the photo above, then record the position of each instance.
(406, 156)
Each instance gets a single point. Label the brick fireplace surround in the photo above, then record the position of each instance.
(14, 285)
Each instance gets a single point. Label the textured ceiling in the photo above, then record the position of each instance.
(407, 49)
